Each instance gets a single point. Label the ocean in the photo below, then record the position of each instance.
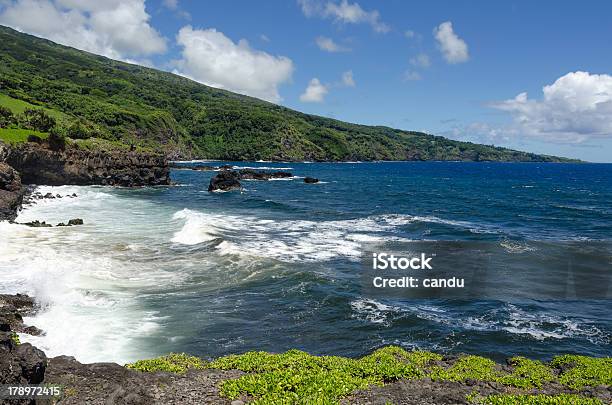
(279, 264)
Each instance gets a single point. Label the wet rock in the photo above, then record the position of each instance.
(281, 175)
(204, 168)
(19, 302)
(76, 221)
(49, 195)
(37, 224)
(20, 364)
(224, 181)
(311, 180)
(251, 174)
(12, 310)
(11, 192)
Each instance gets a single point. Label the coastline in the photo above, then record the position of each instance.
(38, 164)
(133, 385)
(389, 374)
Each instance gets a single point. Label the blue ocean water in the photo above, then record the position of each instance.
(277, 265)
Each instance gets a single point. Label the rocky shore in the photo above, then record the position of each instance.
(389, 375)
(33, 163)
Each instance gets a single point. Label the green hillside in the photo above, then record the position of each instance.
(90, 96)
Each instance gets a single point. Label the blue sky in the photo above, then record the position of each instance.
(446, 67)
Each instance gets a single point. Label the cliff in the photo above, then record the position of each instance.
(33, 163)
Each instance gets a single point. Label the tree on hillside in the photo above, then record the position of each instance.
(6, 117)
(37, 120)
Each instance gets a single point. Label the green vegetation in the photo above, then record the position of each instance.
(540, 399)
(13, 135)
(582, 371)
(526, 373)
(15, 338)
(19, 107)
(298, 377)
(172, 363)
(94, 97)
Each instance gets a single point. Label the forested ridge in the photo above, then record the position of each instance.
(96, 101)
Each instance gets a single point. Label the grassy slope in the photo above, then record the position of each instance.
(148, 107)
(14, 136)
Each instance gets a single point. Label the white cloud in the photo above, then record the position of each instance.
(347, 79)
(114, 28)
(421, 60)
(409, 34)
(328, 45)
(411, 75)
(453, 48)
(174, 6)
(171, 4)
(315, 92)
(577, 107)
(211, 58)
(344, 12)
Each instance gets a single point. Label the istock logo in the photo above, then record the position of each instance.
(385, 261)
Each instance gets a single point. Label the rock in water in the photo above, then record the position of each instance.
(311, 180)
(250, 174)
(37, 224)
(224, 181)
(76, 221)
(12, 310)
(281, 175)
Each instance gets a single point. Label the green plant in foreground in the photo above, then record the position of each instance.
(298, 377)
(527, 373)
(15, 338)
(173, 363)
(540, 399)
(584, 371)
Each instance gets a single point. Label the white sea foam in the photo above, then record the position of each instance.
(286, 240)
(373, 311)
(196, 229)
(85, 277)
(262, 168)
(509, 318)
(516, 247)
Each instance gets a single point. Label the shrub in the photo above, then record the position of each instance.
(37, 120)
(539, 399)
(172, 363)
(583, 371)
(57, 140)
(82, 129)
(6, 117)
